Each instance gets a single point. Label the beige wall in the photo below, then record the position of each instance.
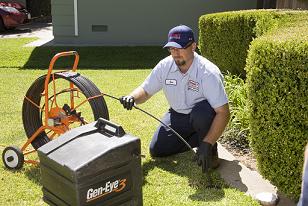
(133, 22)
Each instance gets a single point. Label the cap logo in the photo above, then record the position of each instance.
(175, 36)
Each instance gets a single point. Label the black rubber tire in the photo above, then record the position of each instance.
(2, 27)
(13, 158)
(31, 115)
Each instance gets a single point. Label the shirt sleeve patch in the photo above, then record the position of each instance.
(192, 85)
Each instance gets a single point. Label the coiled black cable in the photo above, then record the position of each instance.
(31, 115)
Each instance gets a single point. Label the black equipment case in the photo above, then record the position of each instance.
(95, 164)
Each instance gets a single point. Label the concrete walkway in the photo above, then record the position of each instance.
(239, 176)
(43, 31)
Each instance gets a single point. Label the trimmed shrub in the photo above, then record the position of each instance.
(224, 38)
(274, 43)
(277, 76)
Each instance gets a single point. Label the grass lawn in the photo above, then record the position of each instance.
(175, 180)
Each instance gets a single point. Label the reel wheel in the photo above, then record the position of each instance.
(63, 112)
(13, 158)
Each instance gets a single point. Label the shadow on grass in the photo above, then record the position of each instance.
(102, 57)
(182, 165)
(33, 173)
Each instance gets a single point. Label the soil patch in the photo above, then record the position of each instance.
(242, 154)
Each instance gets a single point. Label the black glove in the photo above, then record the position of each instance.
(127, 101)
(204, 156)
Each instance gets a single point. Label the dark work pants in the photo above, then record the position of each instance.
(192, 127)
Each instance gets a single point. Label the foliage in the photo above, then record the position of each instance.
(225, 37)
(277, 67)
(274, 45)
(38, 8)
(237, 132)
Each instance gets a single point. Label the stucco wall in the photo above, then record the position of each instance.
(134, 22)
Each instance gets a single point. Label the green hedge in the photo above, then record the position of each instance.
(277, 77)
(224, 38)
(272, 46)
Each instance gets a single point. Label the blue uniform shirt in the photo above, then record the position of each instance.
(203, 81)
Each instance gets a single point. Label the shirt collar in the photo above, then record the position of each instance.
(174, 67)
(192, 69)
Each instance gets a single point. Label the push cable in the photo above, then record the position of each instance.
(208, 176)
(177, 134)
(32, 115)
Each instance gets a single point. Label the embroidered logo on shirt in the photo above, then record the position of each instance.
(170, 82)
(192, 85)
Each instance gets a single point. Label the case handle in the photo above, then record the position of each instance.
(106, 126)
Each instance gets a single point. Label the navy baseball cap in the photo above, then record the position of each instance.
(180, 37)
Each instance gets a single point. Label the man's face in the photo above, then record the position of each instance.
(184, 55)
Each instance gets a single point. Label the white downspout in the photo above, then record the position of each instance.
(76, 17)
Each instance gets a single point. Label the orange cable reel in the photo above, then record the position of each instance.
(50, 110)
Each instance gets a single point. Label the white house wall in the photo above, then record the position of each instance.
(131, 22)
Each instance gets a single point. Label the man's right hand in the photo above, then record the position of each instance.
(204, 156)
(127, 101)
